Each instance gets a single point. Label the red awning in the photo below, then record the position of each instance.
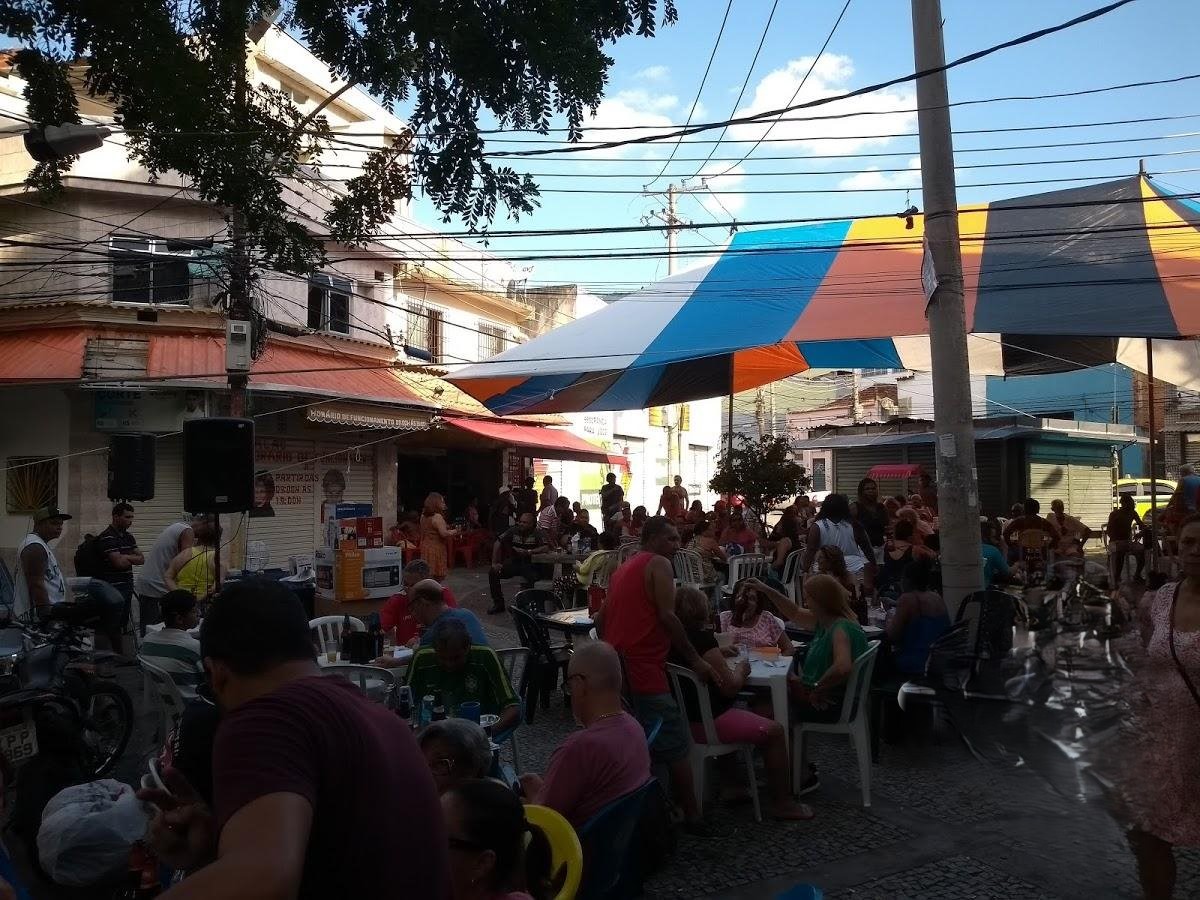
(284, 367)
(895, 471)
(546, 443)
(43, 354)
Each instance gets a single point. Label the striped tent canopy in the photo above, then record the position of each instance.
(1053, 282)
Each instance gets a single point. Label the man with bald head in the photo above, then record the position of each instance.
(427, 604)
(604, 761)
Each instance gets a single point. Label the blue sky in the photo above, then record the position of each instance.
(654, 83)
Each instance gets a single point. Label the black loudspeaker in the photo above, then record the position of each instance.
(218, 465)
(131, 467)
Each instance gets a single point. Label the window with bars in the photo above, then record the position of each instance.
(492, 340)
(425, 330)
(31, 482)
(329, 303)
(147, 270)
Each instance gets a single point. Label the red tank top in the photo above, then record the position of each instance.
(631, 625)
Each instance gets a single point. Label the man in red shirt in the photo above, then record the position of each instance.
(638, 619)
(306, 771)
(397, 614)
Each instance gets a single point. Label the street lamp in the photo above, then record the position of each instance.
(47, 143)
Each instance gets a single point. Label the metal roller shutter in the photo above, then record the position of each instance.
(1079, 475)
(637, 479)
(151, 517)
(988, 456)
(298, 467)
(1090, 493)
(850, 466)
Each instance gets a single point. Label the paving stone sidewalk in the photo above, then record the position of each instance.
(941, 824)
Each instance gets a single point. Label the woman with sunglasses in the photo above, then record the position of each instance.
(495, 854)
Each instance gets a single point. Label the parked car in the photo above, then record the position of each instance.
(1140, 488)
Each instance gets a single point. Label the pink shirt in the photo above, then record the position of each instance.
(596, 766)
(763, 633)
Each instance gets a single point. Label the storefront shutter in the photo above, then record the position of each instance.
(151, 517)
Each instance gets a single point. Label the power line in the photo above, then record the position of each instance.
(823, 101)
(799, 88)
(742, 91)
(699, 91)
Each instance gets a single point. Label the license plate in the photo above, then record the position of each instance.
(19, 743)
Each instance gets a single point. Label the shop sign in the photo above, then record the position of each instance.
(155, 412)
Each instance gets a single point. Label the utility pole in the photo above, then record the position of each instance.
(958, 492)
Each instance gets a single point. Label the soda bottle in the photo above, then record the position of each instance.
(345, 642)
(404, 703)
(426, 709)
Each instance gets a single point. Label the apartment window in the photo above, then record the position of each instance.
(151, 271)
(425, 330)
(30, 482)
(492, 340)
(329, 304)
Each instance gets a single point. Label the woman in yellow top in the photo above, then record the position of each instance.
(195, 569)
(436, 536)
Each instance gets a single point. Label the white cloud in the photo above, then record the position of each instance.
(653, 73)
(874, 179)
(635, 112)
(832, 75)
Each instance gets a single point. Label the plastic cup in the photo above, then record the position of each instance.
(469, 710)
(488, 721)
(331, 651)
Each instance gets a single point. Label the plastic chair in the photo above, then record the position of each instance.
(329, 628)
(566, 853)
(543, 664)
(854, 722)
(375, 682)
(747, 565)
(627, 550)
(611, 858)
(508, 659)
(711, 747)
(689, 568)
(791, 575)
(170, 700)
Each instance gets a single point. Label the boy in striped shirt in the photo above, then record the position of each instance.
(174, 650)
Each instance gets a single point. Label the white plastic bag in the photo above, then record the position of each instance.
(87, 831)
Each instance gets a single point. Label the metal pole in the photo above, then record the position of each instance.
(1152, 550)
(672, 229)
(958, 497)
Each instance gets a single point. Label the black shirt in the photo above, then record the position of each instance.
(527, 500)
(703, 640)
(106, 542)
(874, 519)
(589, 538)
(611, 496)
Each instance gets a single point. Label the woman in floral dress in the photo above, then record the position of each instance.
(1161, 791)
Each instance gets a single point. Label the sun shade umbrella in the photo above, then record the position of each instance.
(1052, 282)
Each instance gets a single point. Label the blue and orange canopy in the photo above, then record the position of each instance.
(1052, 281)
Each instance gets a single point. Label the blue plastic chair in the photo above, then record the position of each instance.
(611, 859)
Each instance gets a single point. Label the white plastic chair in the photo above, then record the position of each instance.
(329, 628)
(375, 682)
(508, 659)
(854, 722)
(689, 568)
(711, 747)
(627, 550)
(167, 696)
(792, 575)
(747, 565)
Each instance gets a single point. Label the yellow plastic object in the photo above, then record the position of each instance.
(565, 850)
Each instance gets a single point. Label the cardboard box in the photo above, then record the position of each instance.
(351, 575)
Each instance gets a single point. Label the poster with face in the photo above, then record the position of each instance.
(264, 495)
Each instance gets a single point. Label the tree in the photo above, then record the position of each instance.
(762, 471)
(175, 73)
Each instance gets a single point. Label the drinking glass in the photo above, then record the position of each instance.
(331, 651)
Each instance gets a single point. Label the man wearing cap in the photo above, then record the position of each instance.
(40, 585)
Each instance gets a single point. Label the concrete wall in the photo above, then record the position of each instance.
(38, 421)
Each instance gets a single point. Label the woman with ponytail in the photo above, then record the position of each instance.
(495, 854)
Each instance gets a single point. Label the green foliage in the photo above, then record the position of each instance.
(170, 69)
(762, 471)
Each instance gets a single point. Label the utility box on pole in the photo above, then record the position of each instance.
(237, 346)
